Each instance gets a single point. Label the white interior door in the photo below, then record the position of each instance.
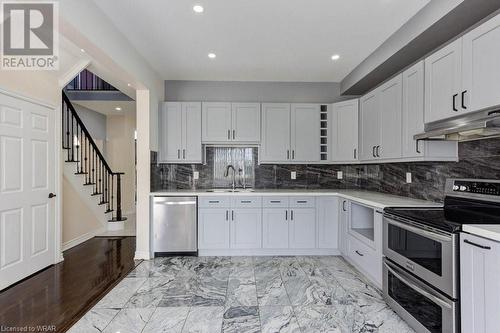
(27, 176)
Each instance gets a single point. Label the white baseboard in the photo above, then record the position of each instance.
(83, 238)
(269, 252)
(142, 255)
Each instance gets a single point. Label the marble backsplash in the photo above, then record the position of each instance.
(478, 159)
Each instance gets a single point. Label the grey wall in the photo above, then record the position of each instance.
(433, 26)
(238, 91)
(95, 123)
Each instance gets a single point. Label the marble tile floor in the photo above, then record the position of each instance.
(242, 294)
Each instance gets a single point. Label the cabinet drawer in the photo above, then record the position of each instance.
(275, 201)
(308, 202)
(242, 202)
(365, 257)
(215, 201)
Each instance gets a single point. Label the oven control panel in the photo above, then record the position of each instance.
(476, 187)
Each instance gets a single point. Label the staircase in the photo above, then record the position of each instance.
(90, 163)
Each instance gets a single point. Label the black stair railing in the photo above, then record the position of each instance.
(82, 150)
(88, 81)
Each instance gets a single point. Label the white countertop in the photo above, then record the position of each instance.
(370, 198)
(490, 231)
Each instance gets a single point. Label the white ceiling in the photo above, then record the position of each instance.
(258, 40)
(108, 107)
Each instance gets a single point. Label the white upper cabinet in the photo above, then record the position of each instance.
(370, 125)
(305, 132)
(481, 67)
(216, 120)
(413, 109)
(180, 132)
(231, 122)
(443, 81)
(245, 122)
(275, 145)
(344, 131)
(390, 94)
(191, 137)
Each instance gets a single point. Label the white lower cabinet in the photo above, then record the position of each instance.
(302, 228)
(328, 222)
(275, 228)
(479, 284)
(253, 225)
(213, 228)
(246, 228)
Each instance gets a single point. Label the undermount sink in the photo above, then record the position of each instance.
(223, 190)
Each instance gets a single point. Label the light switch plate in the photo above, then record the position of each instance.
(293, 175)
(340, 175)
(408, 177)
(196, 175)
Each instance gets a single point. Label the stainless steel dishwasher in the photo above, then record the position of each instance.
(175, 226)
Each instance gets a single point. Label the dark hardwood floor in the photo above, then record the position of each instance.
(61, 294)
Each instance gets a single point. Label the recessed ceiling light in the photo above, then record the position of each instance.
(118, 108)
(82, 50)
(212, 55)
(129, 85)
(198, 9)
(335, 57)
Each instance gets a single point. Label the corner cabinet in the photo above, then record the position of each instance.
(290, 133)
(479, 284)
(231, 122)
(180, 132)
(381, 122)
(343, 125)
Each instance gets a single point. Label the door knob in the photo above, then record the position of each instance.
(51, 195)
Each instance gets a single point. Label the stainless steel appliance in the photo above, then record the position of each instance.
(420, 245)
(175, 225)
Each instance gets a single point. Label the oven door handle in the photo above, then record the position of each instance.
(419, 231)
(413, 286)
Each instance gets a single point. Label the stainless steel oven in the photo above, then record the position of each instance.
(422, 307)
(428, 253)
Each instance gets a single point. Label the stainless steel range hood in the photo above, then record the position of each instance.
(472, 126)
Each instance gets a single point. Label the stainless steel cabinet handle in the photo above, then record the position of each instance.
(301, 201)
(343, 206)
(291, 215)
(286, 215)
(184, 154)
(288, 154)
(378, 151)
(246, 201)
(373, 151)
(417, 148)
(213, 201)
(229, 134)
(227, 215)
(234, 134)
(355, 153)
(454, 102)
(293, 154)
(232, 215)
(178, 153)
(275, 201)
(359, 253)
(477, 245)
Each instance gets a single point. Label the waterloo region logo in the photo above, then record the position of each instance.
(29, 36)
